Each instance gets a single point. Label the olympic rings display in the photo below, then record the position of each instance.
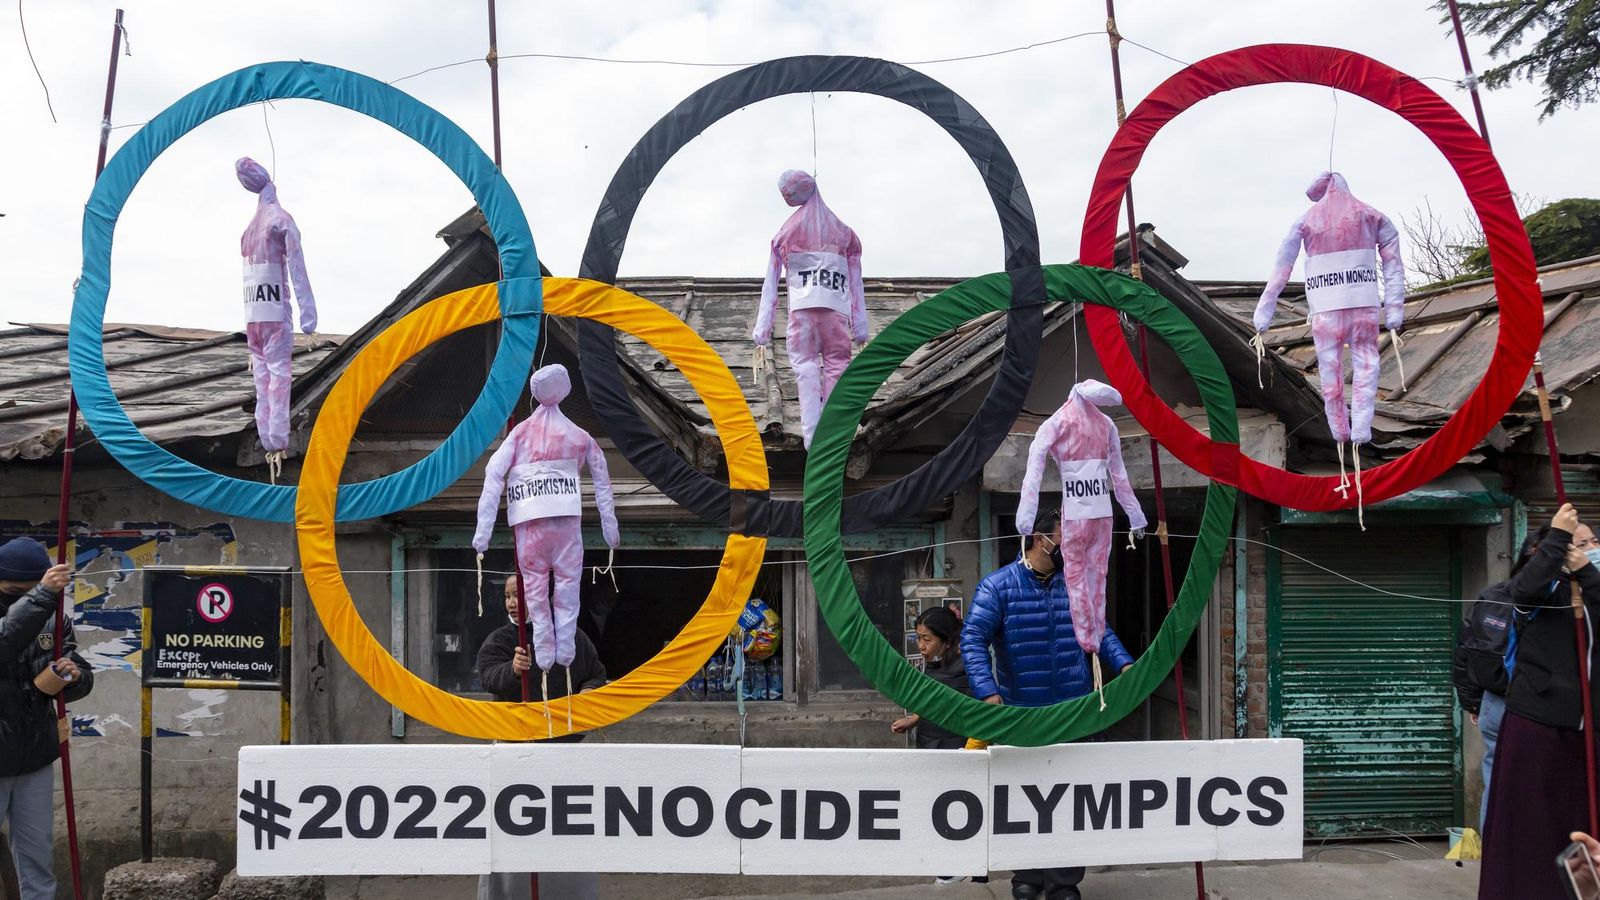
(1515, 276)
(882, 663)
(824, 515)
(519, 297)
(952, 465)
(617, 700)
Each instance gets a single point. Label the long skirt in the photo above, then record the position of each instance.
(1537, 797)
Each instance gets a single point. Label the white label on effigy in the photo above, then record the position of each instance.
(1347, 279)
(464, 809)
(1085, 489)
(543, 490)
(818, 280)
(265, 293)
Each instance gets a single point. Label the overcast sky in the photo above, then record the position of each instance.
(1221, 183)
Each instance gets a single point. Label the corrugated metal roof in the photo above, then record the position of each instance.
(175, 383)
(1449, 336)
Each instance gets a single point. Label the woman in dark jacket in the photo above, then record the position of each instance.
(937, 630)
(1539, 789)
(502, 660)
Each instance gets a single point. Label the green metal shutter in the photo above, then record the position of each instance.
(1582, 481)
(1364, 677)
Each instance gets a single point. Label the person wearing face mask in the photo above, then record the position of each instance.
(503, 659)
(1538, 790)
(1022, 614)
(30, 739)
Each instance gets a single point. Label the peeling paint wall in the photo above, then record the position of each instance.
(118, 527)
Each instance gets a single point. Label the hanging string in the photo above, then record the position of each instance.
(1332, 132)
(813, 134)
(23, 25)
(1077, 319)
(272, 174)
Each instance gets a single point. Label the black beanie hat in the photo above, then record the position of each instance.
(23, 559)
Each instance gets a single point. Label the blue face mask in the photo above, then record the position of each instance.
(1593, 553)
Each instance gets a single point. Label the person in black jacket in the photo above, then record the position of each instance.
(30, 739)
(1539, 792)
(1478, 667)
(937, 633)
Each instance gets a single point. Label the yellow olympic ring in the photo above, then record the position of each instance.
(325, 457)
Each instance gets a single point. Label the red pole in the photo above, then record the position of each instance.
(522, 600)
(1137, 271)
(1579, 626)
(69, 447)
(1466, 65)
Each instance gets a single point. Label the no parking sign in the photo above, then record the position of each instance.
(208, 624)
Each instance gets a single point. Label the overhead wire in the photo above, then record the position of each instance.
(22, 25)
(705, 64)
(866, 557)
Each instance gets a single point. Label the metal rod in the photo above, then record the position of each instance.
(1471, 78)
(493, 59)
(522, 602)
(68, 446)
(146, 744)
(1137, 270)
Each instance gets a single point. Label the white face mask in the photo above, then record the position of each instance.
(1593, 553)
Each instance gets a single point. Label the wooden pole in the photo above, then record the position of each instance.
(1137, 270)
(69, 447)
(1580, 627)
(1471, 79)
(493, 59)
(521, 613)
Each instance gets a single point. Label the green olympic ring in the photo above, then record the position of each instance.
(882, 664)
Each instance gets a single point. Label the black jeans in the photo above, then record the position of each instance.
(1052, 884)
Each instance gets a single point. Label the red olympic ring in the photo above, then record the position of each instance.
(1515, 277)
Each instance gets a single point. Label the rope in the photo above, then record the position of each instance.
(23, 26)
(1259, 343)
(1355, 460)
(1399, 361)
(544, 697)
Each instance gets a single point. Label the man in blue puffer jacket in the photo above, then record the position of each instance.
(1021, 613)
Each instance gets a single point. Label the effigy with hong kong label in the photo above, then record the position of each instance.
(1034, 798)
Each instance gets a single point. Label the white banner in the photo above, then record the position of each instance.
(464, 809)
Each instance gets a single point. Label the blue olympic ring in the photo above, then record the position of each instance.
(521, 294)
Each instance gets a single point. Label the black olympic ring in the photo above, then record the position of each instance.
(758, 513)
